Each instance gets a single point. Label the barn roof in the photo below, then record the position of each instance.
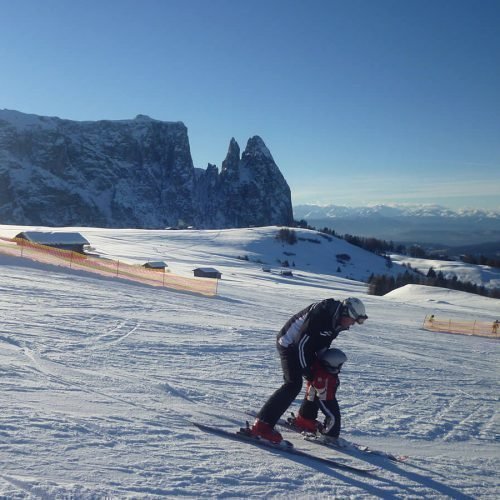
(207, 269)
(53, 238)
(156, 264)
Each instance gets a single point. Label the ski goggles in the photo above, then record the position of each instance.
(361, 319)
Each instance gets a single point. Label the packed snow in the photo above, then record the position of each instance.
(100, 378)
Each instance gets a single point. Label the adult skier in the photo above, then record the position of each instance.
(303, 337)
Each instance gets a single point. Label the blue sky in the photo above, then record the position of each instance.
(359, 101)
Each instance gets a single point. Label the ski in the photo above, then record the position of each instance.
(285, 447)
(346, 446)
(343, 445)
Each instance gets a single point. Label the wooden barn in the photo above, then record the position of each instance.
(156, 266)
(207, 272)
(63, 240)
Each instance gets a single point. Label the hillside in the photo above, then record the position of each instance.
(229, 249)
(486, 276)
(101, 377)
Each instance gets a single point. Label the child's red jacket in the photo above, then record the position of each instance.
(325, 384)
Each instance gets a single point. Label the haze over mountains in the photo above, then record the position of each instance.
(426, 224)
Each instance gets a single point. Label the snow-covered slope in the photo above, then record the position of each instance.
(99, 379)
(229, 249)
(448, 301)
(486, 276)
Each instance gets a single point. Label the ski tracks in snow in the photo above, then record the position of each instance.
(118, 333)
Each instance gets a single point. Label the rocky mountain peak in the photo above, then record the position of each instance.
(257, 149)
(230, 164)
(130, 173)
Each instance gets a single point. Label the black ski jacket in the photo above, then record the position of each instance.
(312, 330)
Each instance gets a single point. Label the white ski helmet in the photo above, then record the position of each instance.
(355, 309)
(332, 360)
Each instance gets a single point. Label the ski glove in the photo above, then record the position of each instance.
(325, 384)
(320, 385)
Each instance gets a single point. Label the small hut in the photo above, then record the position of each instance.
(159, 266)
(207, 272)
(63, 240)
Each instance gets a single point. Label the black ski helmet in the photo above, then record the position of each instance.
(332, 360)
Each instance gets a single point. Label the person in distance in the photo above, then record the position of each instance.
(303, 337)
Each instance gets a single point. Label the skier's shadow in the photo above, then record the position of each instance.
(395, 468)
(338, 474)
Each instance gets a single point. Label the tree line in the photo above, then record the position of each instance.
(382, 284)
(480, 260)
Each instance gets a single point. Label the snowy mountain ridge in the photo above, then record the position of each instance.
(433, 225)
(392, 210)
(131, 173)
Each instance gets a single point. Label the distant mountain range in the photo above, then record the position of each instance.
(139, 173)
(431, 225)
(134, 173)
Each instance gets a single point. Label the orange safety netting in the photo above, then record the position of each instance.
(19, 247)
(481, 328)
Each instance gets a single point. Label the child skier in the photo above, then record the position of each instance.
(323, 393)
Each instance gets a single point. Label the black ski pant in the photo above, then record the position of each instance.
(283, 397)
(331, 410)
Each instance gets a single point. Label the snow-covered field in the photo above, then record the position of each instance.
(99, 378)
(486, 276)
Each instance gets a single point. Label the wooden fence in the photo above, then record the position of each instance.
(18, 247)
(463, 327)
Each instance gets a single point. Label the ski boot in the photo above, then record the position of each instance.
(263, 430)
(303, 424)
